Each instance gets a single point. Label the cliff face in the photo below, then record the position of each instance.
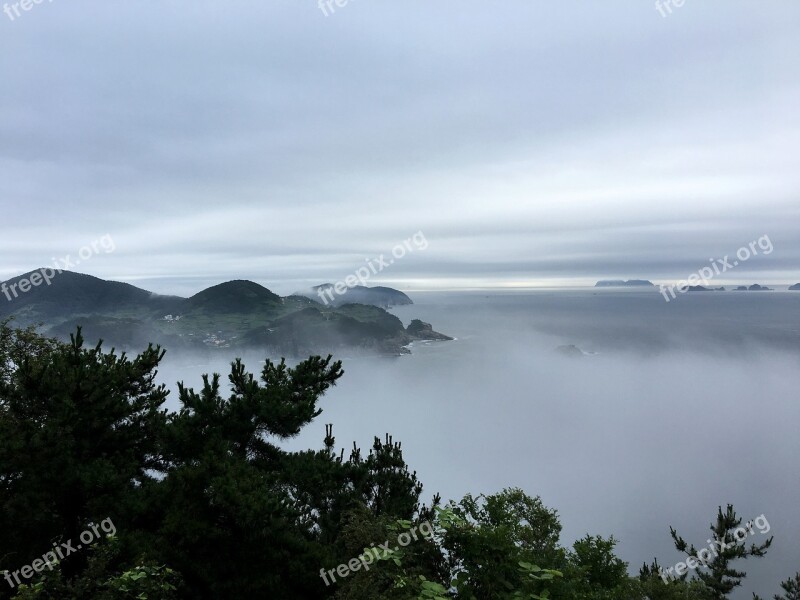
(420, 330)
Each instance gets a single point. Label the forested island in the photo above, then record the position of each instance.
(237, 314)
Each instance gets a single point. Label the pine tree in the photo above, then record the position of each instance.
(791, 590)
(725, 547)
(79, 432)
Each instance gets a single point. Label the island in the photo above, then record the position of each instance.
(240, 315)
(570, 350)
(795, 287)
(700, 288)
(623, 283)
(753, 288)
(385, 297)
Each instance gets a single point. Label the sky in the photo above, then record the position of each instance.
(530, 143)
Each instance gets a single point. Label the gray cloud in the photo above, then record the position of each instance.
(533, 143)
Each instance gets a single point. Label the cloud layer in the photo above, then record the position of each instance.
(533, 144)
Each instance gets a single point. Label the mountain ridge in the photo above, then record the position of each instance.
(381, 296)
(237, 313)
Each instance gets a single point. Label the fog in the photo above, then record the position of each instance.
(657, 428)
(540, 144)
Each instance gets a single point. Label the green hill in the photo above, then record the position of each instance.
(70, 294)
(235, 314)
(237, 296)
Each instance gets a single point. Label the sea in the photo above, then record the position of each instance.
(626, 413)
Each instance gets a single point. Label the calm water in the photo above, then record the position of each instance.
(676, 408)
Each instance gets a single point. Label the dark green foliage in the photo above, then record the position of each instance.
(364, 532)
(368, 328)
(206, 491)
(79, 438)
(490, 536)
(225, 493)
(791, 589)
(134, 332)
(106, 579)
(592, 570)
(240, 314)
(651, 586)
(720, 577)
(488, 543)
(207, 504)
(234, 297)
(75, 293)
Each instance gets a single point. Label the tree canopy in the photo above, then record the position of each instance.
(206, 503)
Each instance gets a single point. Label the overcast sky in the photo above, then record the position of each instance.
(533, 143)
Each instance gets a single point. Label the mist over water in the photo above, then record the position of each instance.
(676, 408)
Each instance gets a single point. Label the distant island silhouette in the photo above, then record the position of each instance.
(623, 283)
(753, 288)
